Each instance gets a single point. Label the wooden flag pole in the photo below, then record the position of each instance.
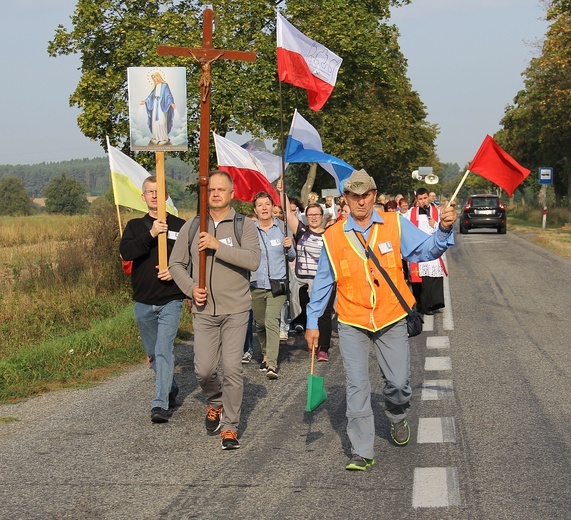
(161, 208)
(455, 194)
(288, 315)
(205, 56)
(119, 220)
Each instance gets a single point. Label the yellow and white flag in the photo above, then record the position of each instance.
(127, 177)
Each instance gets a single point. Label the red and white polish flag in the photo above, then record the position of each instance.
(305, 63)
(247, 171)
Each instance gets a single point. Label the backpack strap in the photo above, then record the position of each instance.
(193, 229)
(238, 228)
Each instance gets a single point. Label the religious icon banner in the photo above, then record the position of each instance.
(157, 109)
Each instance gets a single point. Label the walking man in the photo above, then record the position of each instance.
(220, 310)
(368, 311)
(158, 300)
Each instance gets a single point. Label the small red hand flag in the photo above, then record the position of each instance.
(496, 165)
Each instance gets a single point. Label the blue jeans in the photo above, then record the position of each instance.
(158, 325)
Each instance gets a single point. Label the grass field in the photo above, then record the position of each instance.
(556, 237)
(66, 316)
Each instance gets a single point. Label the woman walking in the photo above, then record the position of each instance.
(309, 242)
(268, 282)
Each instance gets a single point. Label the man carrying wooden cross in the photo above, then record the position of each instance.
(221, 301)
(221, 310)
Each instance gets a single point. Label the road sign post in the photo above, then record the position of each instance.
(545, 178)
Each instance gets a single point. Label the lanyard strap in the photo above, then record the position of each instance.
(369, 254)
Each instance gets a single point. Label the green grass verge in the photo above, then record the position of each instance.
(109, 344)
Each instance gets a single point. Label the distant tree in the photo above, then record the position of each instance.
(66, 195)
(181, 198)
(16, 200)
(448, 171)
(536, 127)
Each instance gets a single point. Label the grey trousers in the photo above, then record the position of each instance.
(220, 339)
(393, 356)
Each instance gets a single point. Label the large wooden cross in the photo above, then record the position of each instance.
(205, 56)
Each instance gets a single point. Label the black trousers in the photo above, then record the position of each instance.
(429, 294)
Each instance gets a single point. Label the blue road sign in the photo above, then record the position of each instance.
(545, 175)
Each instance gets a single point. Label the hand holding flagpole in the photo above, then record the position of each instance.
(455, 194)
(205, 55)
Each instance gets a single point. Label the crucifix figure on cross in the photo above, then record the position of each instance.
(205, 56)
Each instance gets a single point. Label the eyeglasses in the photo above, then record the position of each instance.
(315, 215)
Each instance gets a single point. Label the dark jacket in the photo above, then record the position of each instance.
(137, 244)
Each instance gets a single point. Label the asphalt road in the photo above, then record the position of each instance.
(490, 418)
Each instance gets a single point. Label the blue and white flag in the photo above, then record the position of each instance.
(304, 146)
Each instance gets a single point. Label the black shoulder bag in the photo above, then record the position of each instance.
(414, 320)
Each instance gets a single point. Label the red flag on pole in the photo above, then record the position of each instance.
(496, 165)
(247, 171)
(304, 63)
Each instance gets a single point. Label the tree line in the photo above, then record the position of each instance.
(374, 118)
(535, 127)
(67, 184)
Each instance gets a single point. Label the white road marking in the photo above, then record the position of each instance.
(435, 487)
(438, 342)
(433, 390)
(436, 430)
(428, 325)
(447, 318)
(438, 363)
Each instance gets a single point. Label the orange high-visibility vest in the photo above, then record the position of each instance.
(364, 299)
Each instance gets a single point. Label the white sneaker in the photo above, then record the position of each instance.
(283, 336)
(246, 358)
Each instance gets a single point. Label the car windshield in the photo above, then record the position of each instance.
(484, 202)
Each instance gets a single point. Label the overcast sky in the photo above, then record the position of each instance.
(465, 60)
